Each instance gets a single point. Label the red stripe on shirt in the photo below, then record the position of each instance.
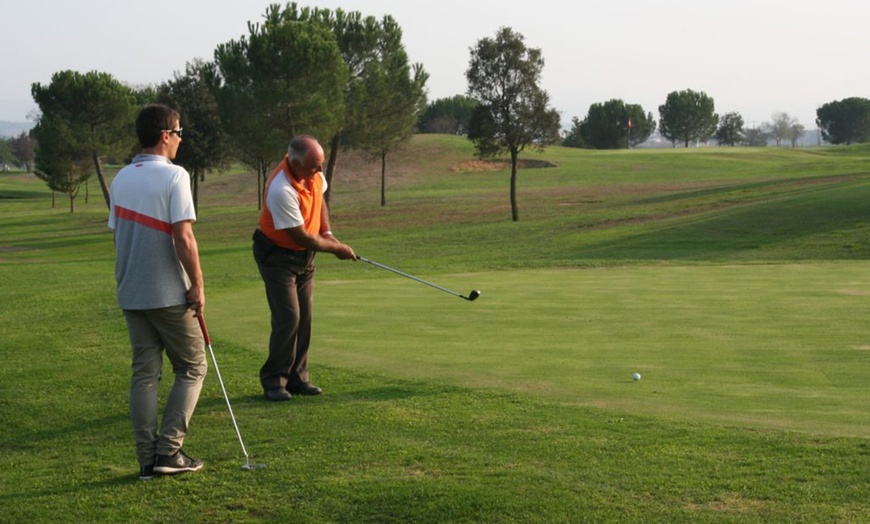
(144, 220)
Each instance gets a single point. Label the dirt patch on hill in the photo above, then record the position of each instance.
(477, 165)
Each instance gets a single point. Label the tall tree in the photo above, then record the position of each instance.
(574, 137)
(730, 132)
(97, 110)
(364, 42)
(755, 137)
(24, 148)
(780, 127)
(7, 154)
(513, 113)
(205, 145)
(795, 132)
(60, 162)
(640, 125)
(284, 78)
(616, 125)
(687, 116)
(448, 115)
(395, 98)
(845, 121)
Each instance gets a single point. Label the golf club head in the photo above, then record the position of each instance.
(473, 295)
(253, 466)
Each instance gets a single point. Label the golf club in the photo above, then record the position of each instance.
(217, 371)
(471, 296)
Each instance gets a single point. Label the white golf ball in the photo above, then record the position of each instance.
(636, 376)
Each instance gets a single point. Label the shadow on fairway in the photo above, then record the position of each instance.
(81, 428)
(378, 394)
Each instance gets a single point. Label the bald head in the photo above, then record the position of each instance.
(302, 146)
(306, 156)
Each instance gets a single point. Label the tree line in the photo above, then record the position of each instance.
(346, 79)
(327, 73)
(337, 75)
(686, 117)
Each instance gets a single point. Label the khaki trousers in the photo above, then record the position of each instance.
(176, 330)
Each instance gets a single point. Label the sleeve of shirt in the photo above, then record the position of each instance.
(181, 206)
(284, 206)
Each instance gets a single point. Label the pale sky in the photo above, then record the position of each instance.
(755, 57)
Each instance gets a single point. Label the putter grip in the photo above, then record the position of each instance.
(201, 320)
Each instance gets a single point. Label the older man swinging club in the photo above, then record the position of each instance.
(293, 227)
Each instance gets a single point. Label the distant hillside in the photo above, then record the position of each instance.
(8, 129)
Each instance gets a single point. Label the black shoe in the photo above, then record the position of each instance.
(277, 394)
(305, 389)
(146, 473)
(178, 463)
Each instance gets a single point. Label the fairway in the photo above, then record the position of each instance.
(733, 280)
(756, 346)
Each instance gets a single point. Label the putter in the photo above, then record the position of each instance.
(471, 296)
(217, 371)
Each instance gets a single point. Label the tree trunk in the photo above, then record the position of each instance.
(102, 179)
(383, 178)
(334, 145)
(515, 213)
(261, 183)
(195, 180)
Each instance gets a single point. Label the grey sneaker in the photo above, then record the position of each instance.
(178, 463)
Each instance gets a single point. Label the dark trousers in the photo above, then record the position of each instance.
(288, 277)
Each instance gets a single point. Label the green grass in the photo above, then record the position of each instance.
(734, 280)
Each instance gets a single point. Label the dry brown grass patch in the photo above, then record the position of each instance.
(477, 165)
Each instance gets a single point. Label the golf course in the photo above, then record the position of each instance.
(733, 280)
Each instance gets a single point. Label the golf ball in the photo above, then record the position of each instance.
(636, 376)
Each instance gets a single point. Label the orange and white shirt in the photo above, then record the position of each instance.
(291, 203)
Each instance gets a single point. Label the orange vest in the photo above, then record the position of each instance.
(310, 195)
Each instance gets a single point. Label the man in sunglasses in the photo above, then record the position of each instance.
(160, 290)
(293, 227)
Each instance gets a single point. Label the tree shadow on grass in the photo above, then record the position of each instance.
(812, 222)
(75, 429)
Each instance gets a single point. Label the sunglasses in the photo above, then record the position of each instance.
(173, 131)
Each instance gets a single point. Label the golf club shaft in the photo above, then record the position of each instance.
(420, 280)
(221, 381)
